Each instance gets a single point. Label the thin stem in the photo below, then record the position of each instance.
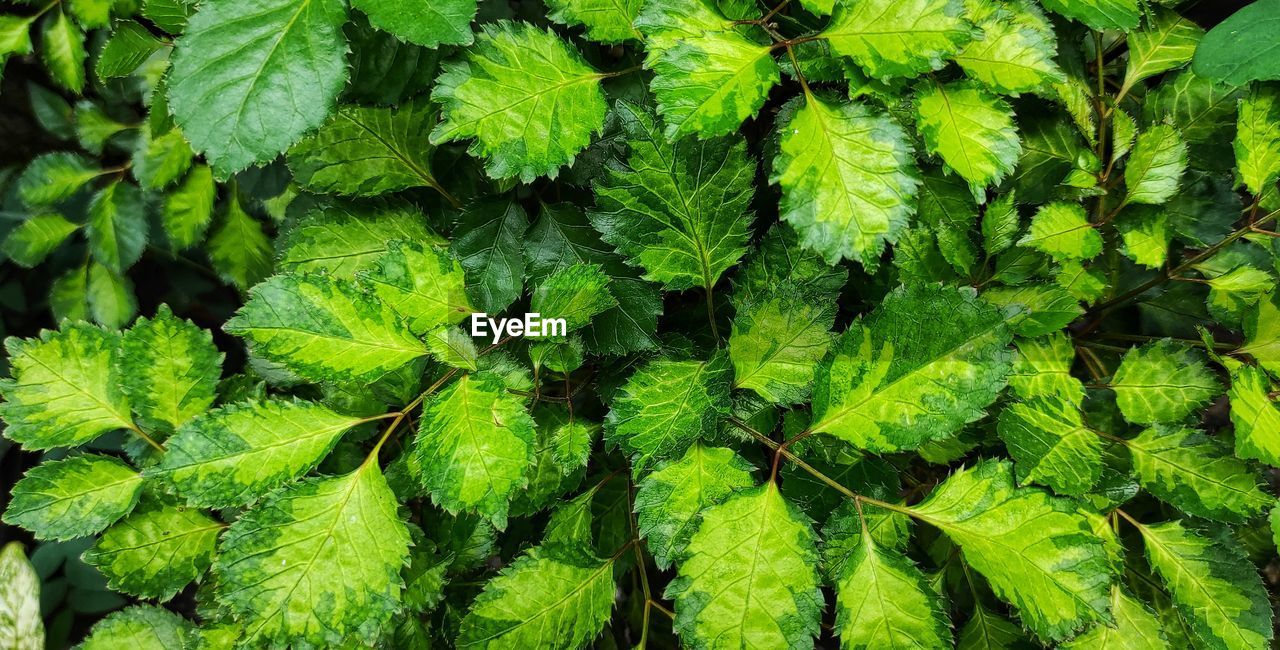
(773, 12)
(795, 64)
(619, 73)
(151, 441)
(658, 606)
(711, 313)
(1131, 520)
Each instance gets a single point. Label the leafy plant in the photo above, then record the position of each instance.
(887, 324)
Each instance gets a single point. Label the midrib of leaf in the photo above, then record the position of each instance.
(266, 447)
(169, 538)
(683, 401)
(839, 414)
(330, 337)
(954, 124)
(686, 222)
(92, 490)
(79, 361)
(471, 434)
(875, 584)
(422, 174)
(1185, 576)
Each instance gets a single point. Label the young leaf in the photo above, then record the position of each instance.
(884, 601)
(429, 24)
(169, 368)
(156, 551)
(896, 39)
(948, 210)
(110, 294)
(453, 348)
(848, 178)
(1035, 550)
(971, 129)
(488, 243)
(62, 47)
(1215, 587)
(541, 601)
(424, 284)
(607, 21)
(1167, 42)
(987, 631)
(54, 177)
(128, 48)
(1262, 333)
(924, 363)
(1146, 235)
(28, 244)
(239, 248)
(473, 445)
(161, 159)
(529, 100)
(575, 293)
(346, 238)
(1062, 231)
(76, 497)
(286, 566)
(749, 578)
(1156, 165)
(777, 342)
(1043, 369)
(117, 226)
(1017, 49)
(249, 79)
(709, 83)
(666, 406)
(368, 151)
(188, 209)
(1196, 474)
(325, 329)
(670, 500)
(144, 627)
(1162, 382)
(677, 209)
(64, 389)
(1257, 143)
(1045, 308)
(1098, 14)
(1255, 415)
(235, 454)
(1051, 445)
(21, 627)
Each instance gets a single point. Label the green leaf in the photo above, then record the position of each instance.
(141, 627)
(423, 284)
(161, 160)
(749, 579)
(848, 178)
(677, 209)
(670, 500)
(1215, 587)
(986, 631)
(884, 601)
(1257, 143)
(368, 151)
(452, 347)
(1146, 235)
(15, 36)
(249, 79)
(473, 445)
(1167, 42)
(117, 226)
(1262, 333)
(777, 342)
(68, 297)
(1000, 224)
(325, 329)
(782, 259)
(1233, 293)
(94, 128)
(20, 624)
(666, 406)
(28, 244)
(1255, 415)
(971, 129)
(575, 293)
(234, 454)
(898, 39)
(1196, 474)
(1046, 308)
(188, 209)
(54, 177)
(286, 567)
(607, 21)
(1036, 551)
(1163, 381)
(1051, 445)
(62, 48)
(169, 15)
(346, 238)
(541, 601)
(530, 101)
(924, 363)
(429, 24)
(709, 83)
(64, 389)
(1136, 628)
(76, 497)
(239, 248)
(948, 209)
(1017, 49)
(1156, 165)
(1240, 49)
(129, 47)
(110, 295)
(489, 244)
(1063, 231)
(156, 551)
(1043, 369)
(571, 444)
(169, 368)
(1098, 14)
